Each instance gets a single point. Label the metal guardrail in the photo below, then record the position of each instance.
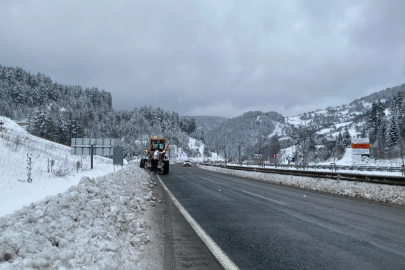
(348, 168)
(376, 179)
(333, 167)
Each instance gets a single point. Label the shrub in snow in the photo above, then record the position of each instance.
(64, 168)
(78, 166)
(17, 141)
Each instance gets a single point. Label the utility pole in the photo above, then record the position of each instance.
(261, 151)
(91, 150)
(239, 154)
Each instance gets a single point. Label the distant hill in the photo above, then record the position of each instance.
(251, 131)
(208, 123)
(383, 94)
(327, 129)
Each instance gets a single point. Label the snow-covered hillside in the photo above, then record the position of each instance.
(332, 120)
(16, 145)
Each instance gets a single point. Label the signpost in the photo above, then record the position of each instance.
(118, 157)
(89, 146)
(361, 151)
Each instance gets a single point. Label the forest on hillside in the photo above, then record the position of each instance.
(382, 121)
(61, 112)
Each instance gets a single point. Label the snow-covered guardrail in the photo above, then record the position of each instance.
(333, 167)
(346, 167)
(377, 179)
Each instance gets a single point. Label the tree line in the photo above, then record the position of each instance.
(60, 112)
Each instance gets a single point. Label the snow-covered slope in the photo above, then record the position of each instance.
(16, 145)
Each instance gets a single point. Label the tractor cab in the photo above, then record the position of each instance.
(158, 144)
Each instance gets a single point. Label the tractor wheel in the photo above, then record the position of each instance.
(166, 167)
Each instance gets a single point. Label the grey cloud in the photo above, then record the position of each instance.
(211, 57)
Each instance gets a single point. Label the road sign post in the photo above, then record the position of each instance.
(91, 150)
(275, 160)
(90, 146)
(118, 157)
(361, 151)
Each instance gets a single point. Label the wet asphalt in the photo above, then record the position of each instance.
(265, 226)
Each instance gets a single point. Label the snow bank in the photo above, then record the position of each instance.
(97, 224)
(375, 192)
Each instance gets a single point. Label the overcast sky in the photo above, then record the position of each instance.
(211, 57)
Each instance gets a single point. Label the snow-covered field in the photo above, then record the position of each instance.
(67, 217)
(375, 192)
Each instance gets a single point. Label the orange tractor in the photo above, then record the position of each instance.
(157, 144)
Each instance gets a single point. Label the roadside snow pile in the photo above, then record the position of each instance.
(375, 192)
(97, 224)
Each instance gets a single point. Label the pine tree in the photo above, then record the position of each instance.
(50, 126)
(375, 118)
(393, 132)
(347, 139)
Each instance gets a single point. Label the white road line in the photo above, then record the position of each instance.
(224, 260)
(253, 194)
(207, 179)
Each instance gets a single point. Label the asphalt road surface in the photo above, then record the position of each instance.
(264, 226)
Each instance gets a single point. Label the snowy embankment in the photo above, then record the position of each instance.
(98, 224)
(55, 213)
(52, 169)
(375, 192)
